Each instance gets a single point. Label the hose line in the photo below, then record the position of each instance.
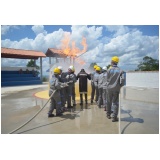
(33, 116)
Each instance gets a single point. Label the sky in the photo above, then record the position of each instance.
(129, 42)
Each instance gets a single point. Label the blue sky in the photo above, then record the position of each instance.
(130, 43)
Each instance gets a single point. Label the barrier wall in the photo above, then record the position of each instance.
(148, 79)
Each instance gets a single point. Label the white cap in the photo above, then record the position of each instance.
(72, 68)
(60, 67)
(104, 68)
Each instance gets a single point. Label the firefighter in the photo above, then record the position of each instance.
(71, 79)
(73, 90)
(101, 100)
(95, 80)
(92, 84)
(83, 76)
(63, 90)
(104, 85)
(115, 80)
(55, 87)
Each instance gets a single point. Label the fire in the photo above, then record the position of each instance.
(72, 51)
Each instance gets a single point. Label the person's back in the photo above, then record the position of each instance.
(83, 76)
(95, 80)
(113, 78)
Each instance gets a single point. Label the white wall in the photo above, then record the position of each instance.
(143, 79)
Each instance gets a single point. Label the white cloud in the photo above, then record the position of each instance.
(38, 29)
(117, 29)
(130, 45)
(6, 28)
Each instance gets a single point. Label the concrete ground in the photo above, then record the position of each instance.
(19, 106)
(139, 113)
(139, 110)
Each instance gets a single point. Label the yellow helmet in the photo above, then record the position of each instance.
(56, 71)
(115, 59)
(95, 66)
(98, 68)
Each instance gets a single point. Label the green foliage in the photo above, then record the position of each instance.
(32, 64)
(92, 65)
(45, 79)
(148, 64)
(108, 66)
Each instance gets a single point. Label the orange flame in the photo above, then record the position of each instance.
(72, 51)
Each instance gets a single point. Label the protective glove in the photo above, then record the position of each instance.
(67, 76)
(70, 82)
(65, 85)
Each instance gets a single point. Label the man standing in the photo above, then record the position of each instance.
(101, 83)
(115, 80)
(55, 87)
(71, 79)
(83, 76)
(92, 84)
(63, 90)
(95, 81)
(73, 89)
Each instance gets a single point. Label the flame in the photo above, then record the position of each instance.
(72, 51)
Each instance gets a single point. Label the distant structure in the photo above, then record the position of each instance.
(14, 76)
(57, 55)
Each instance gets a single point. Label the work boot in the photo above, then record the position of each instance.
(81, 103)
(50, 115)
(70, 107)
(74, 102)
(115, 119)
(65, 109)
(86, 98)
(108, 116)
(59, 114)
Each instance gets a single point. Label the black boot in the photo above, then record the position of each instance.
(115, 119)
(86, 98)
(50, 115)
(81, 99)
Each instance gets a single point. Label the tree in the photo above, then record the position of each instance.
(92, 65)
(108, 66)
(148, 64)
(31, 63)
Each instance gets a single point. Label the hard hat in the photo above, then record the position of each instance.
(95, 66)
(98, 68)
(60, 67)
(115, 59)
(72, 68)
(104, 68)
(56, 71)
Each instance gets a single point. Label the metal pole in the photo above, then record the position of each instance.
(41, 67)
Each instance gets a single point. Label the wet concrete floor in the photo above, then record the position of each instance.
(139, 111)
(18, 107)
(139, 114)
